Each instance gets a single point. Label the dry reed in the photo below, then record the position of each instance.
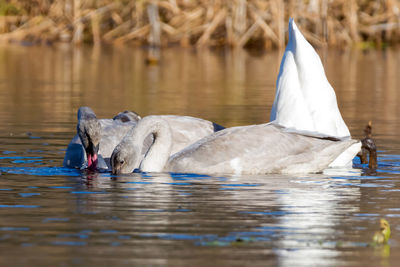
(200, 23)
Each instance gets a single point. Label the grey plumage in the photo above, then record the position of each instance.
(105, 133)
(185, 130)
(257, 149)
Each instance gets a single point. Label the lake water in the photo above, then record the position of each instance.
(54, 216)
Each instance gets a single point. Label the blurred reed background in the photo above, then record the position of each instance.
(237, 23)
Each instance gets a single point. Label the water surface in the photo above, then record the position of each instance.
(51, 216)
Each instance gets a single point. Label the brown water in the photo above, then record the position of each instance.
(54, 216)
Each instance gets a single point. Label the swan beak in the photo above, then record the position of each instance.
(92, 156)
(116, 171)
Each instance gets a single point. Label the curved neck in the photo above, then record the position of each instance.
(159, 151)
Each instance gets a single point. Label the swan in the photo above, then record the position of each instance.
(253, 149)
(183, 130)
(96, 138)
(304, 99)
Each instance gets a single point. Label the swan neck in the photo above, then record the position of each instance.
(158, 153)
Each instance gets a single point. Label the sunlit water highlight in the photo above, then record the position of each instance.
(50, 215)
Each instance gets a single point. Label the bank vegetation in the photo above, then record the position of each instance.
(200, 23)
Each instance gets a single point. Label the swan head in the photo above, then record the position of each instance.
(89, 132)
(127, 115)
(146, 146)
(123, 159)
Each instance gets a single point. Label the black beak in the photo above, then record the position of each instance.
(116, 171)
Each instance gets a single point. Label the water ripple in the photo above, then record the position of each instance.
(41, 171)
(69, 243)
(20, 206)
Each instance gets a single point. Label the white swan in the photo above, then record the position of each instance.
(304, 99)
(254, 149)
(96, 138)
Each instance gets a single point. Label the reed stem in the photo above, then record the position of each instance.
(340, 23)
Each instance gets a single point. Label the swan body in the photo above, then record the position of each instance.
(186, 130)
(304, 98)
(253, 149)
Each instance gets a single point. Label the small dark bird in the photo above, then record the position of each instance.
(368, 147)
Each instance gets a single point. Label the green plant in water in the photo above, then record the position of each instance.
(382, 236)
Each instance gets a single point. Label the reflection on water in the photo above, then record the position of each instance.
(53, 215)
